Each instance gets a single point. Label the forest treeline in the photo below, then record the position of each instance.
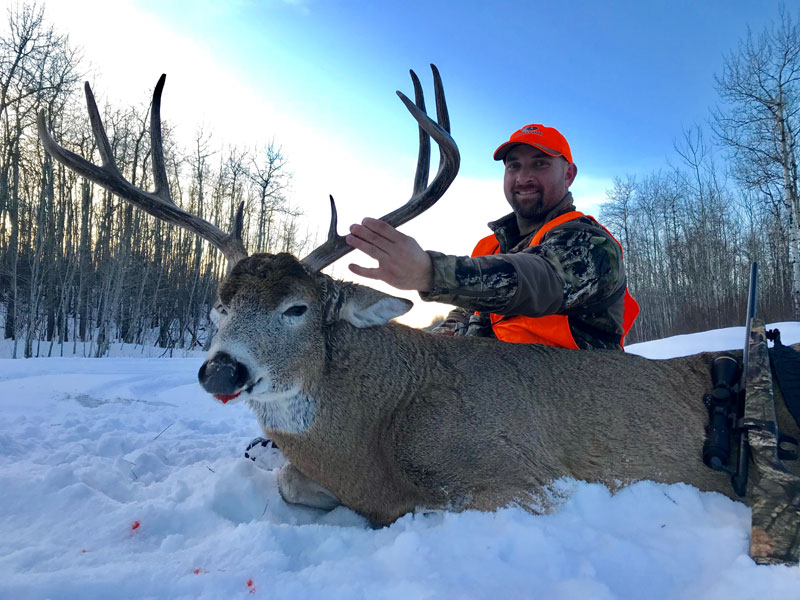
(689, 238)
(691, 231)
(78, 266)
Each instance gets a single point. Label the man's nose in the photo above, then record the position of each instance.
(525, 176)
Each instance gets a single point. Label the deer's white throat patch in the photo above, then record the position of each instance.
(283, 409)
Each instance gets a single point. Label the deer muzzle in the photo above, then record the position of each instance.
(223, 376)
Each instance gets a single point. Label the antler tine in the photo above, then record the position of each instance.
(159, 203)
(334, 220)
(448, 164)
(424, 157)
(156, 143)
(442, 116)
(336, 247)
(238, 227)
(106, 154)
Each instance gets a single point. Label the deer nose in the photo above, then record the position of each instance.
(223, 375)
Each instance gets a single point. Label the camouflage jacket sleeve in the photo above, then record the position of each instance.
(576, 265)
(456, 318)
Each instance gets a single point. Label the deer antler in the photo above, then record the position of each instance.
(424, 196)
(158, 203)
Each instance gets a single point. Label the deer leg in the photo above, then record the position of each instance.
(296, 488)
(265, 454)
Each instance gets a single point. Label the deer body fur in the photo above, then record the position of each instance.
(391, 419)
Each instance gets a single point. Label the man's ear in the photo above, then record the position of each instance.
(571, 173)
(363, 306)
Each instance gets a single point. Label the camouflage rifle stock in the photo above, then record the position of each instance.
(775, 492)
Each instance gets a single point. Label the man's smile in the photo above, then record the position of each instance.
(527, 192)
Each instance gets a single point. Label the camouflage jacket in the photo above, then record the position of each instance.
(575, 269)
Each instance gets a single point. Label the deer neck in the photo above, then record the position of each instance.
(290, 411)
(346, 386)
(375, 364)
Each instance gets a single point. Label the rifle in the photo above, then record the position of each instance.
(739, 478)
(775, 493)
(726, 406)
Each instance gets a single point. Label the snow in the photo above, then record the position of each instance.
(709, 341)
(120, 478)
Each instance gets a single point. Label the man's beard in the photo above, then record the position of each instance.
(531, 211)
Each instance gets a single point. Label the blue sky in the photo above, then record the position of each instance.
(621, 80)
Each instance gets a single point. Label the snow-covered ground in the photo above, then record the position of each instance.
(121, 478)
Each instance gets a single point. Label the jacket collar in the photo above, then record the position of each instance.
(507, 233)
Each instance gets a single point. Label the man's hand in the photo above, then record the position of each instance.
(402, 263)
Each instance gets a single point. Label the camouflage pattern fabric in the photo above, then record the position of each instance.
(454, 324)
(575, 267)
(775, 537)
(461, 321)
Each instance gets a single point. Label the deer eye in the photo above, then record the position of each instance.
(295, 311)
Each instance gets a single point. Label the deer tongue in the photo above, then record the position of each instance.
(224, 398)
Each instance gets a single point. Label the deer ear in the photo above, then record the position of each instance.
(364, 307)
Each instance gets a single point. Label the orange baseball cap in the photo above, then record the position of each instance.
(547, 139)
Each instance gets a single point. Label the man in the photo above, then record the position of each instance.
(548, 274)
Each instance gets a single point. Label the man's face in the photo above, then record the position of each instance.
(535, 182)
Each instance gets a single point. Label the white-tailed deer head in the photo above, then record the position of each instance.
(274, 314)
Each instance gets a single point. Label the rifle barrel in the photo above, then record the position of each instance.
(752, 298)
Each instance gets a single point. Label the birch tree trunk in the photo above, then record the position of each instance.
(760, 89)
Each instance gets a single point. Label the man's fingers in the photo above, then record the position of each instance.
(365, 233)
(364, 271)
(366, 247)
(402, 263)
(382, 229)
(375, 236)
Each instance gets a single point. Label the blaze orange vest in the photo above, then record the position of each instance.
(550, 330)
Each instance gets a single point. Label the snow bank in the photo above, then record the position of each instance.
(120, 478)
(729, 338)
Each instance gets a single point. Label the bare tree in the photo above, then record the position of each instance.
(758, 122)
(74, 260)
(37, 71)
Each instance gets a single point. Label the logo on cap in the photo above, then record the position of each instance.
(529, 129)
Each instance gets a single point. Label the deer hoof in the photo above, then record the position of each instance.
(296, 488)
(265, 454)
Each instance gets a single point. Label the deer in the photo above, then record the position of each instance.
(387, 419)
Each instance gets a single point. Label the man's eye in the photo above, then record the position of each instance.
(295, 311)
